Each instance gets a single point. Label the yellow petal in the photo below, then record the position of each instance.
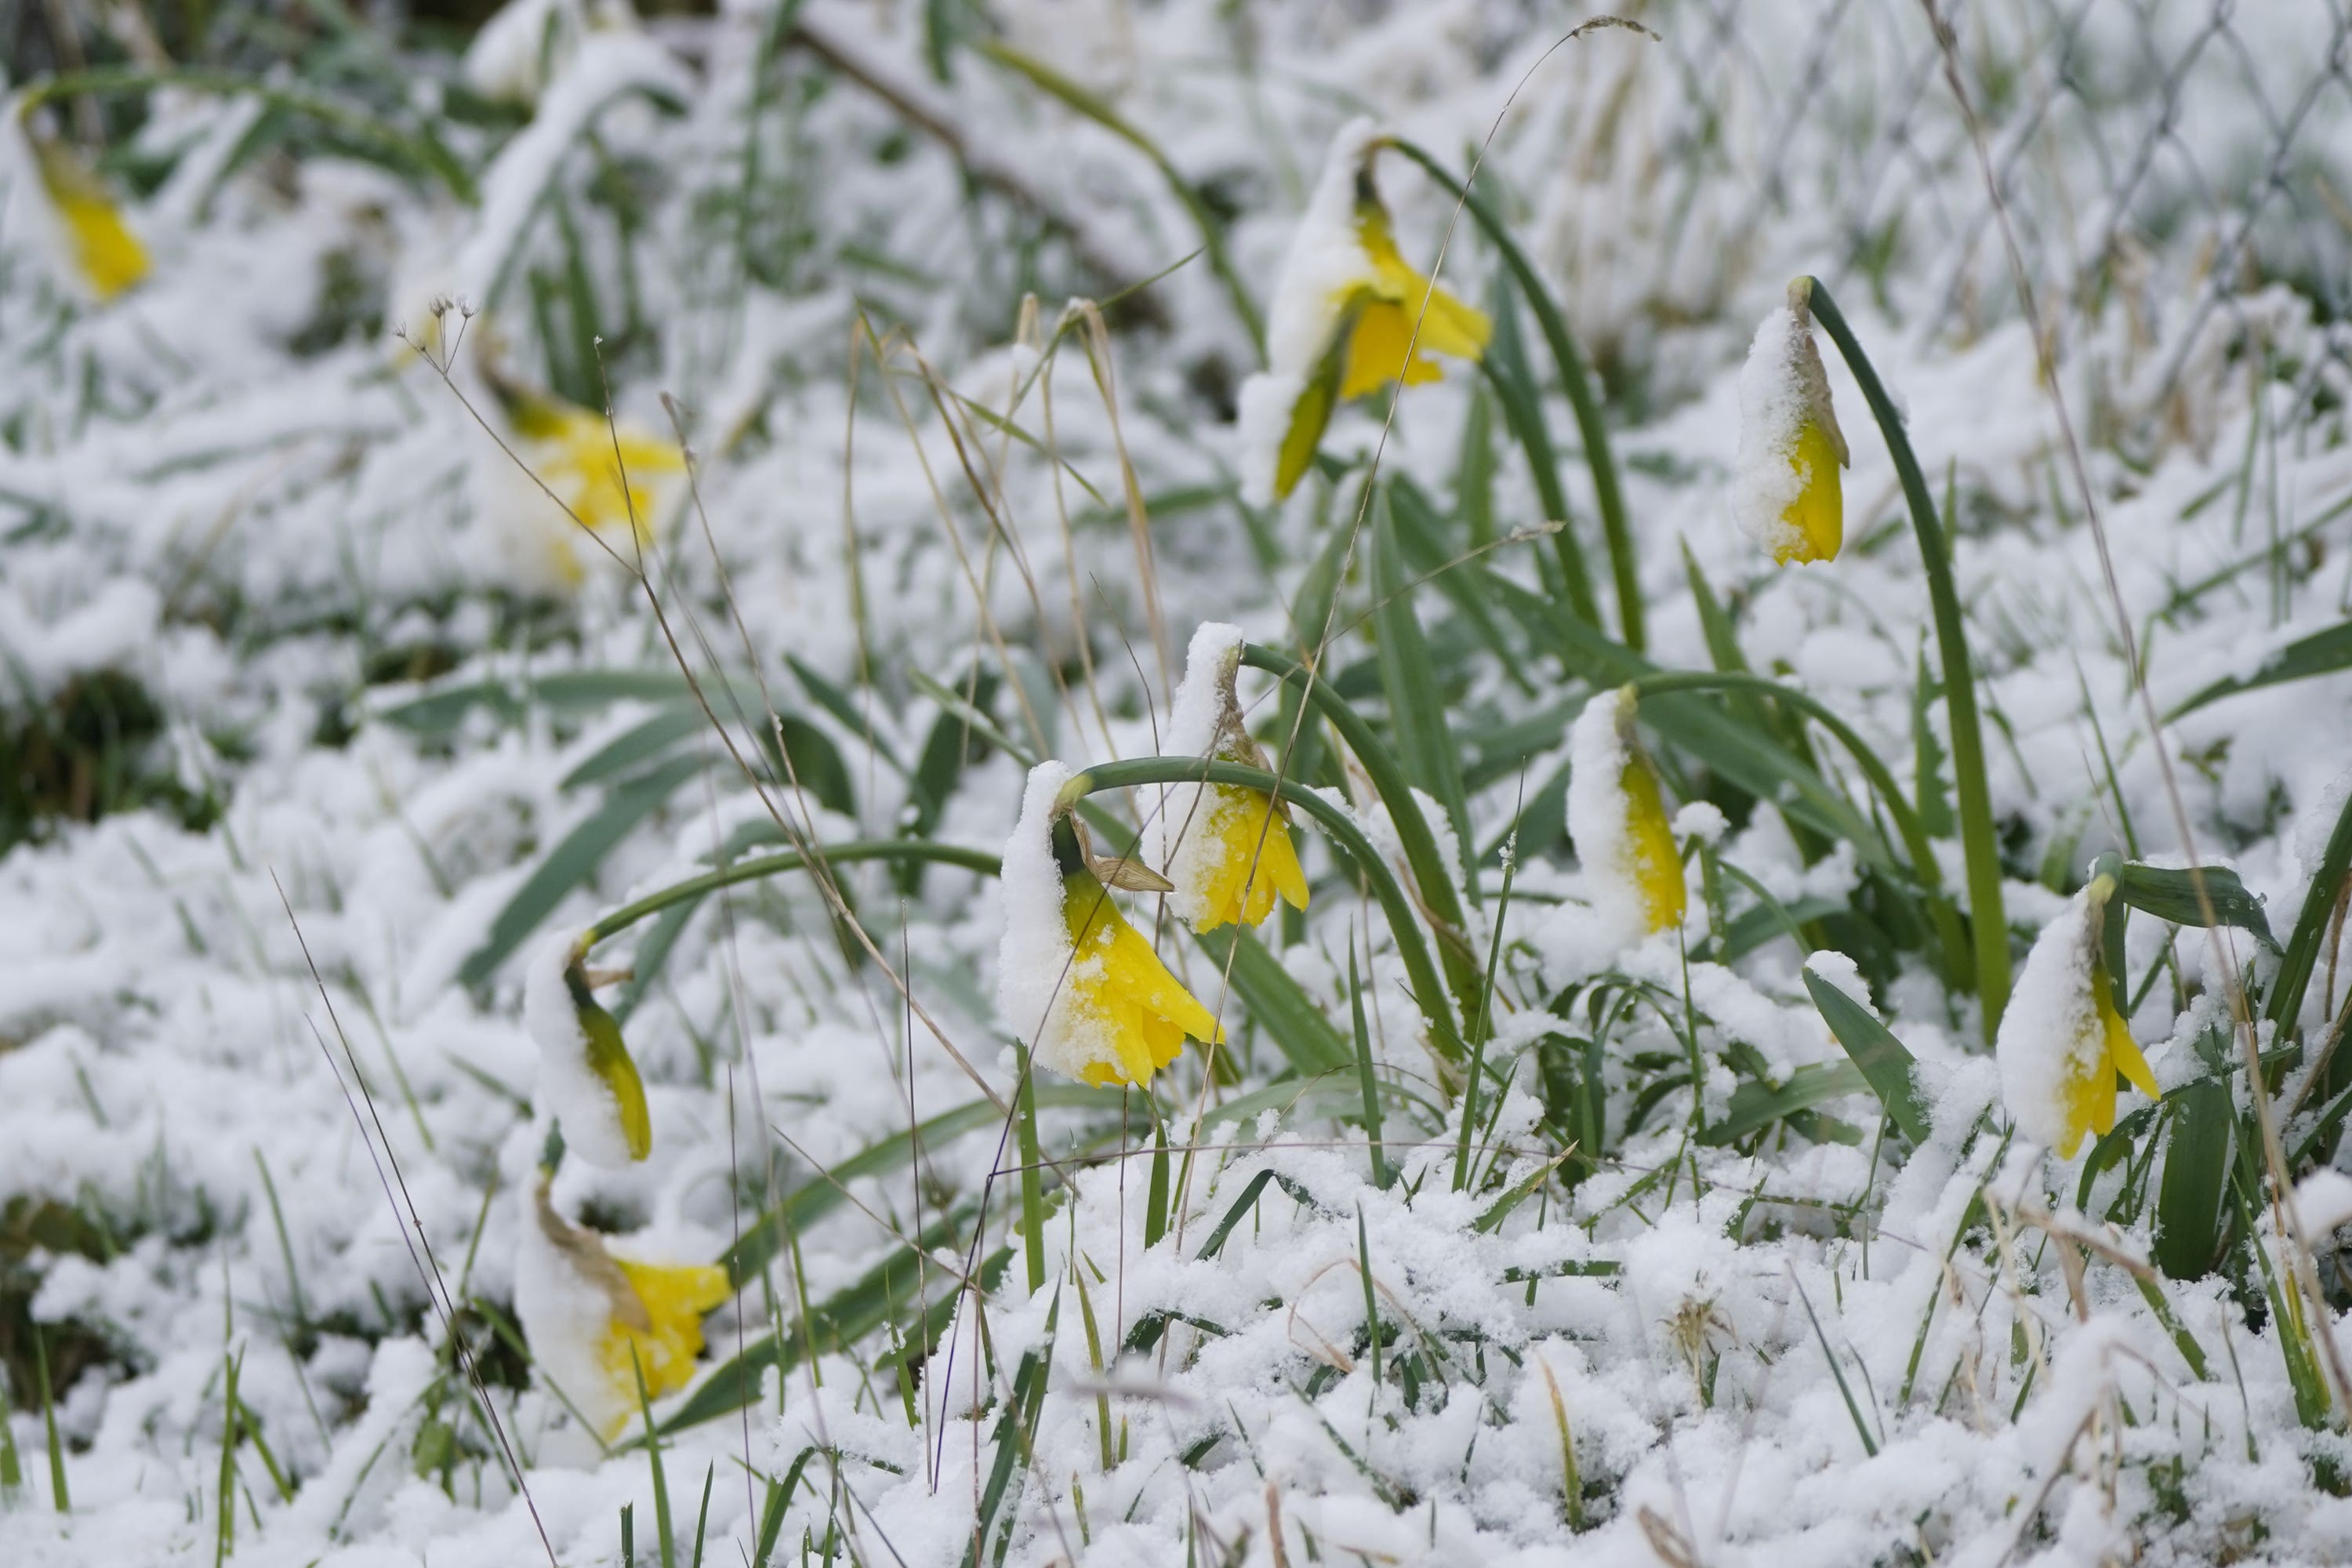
(674, 1299)
(2122, 1049)
(1657, 862)
(1816, 518)
(1249, 875)
(1144, 1009)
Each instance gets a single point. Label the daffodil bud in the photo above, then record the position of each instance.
(595, 1321)
(1074, 978)
(96, 246)
(1227, 849)
(1786, 491)
(2062, 1042)
(585, 1075)
(1350, 316)
(1617, 816)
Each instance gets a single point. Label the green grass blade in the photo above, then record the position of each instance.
(2322, 653)
(1383, 1172)
(2284, 1005)
(1759, 1105)
(1277, 1003)
(1424, 745)
(1505, 364)
(2196, 1166)
(2169, 893)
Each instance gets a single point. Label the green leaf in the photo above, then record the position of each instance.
(1234, 1215)
(574, 861)
(1758, 1105)
(649, 738)
(2196, 1166)
(1505, 367)
(2169, 893)
(1883, 1059)
(2284, 1005)
(2321, 653)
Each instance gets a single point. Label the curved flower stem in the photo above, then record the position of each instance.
(854, 849)
(1441, 904)
(1908, 825)
(1577, 381)
(1429, 994)
(1988, 926)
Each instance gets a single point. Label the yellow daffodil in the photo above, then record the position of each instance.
(1351, 315)
(583, 461)
(595, 1322)
(2062, 1041)
(1073, 977)
(585, 1073)
(1227, 847)
(1617, 817)
(1785, 492)
(106, 255)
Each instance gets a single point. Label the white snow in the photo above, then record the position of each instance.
(1773, 408)
(568, 1086)
(1599, 813)
(2051, 1031)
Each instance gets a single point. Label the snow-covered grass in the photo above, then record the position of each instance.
(386, 786)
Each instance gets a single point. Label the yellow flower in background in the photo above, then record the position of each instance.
(582, 459)
(1343, 322)
(1786, 491)
(594, 1322)
(1227, 847)
(1073, 977)
(2062, 1041)
(106, 255)
(1617, 819)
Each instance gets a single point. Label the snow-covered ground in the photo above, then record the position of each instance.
(329, 732)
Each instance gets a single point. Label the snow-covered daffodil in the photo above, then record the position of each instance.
(601, 472)
(1617, 817)
(1785, 492)
(595, 1321)
(105, 256)
(2062, 1042)
(1351, 315)
(1227, 849)
(585, 1073)
(1073, 977)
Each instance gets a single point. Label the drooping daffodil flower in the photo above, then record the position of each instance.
(604, 472)
(1785, 492)
(2062, 1040)
(1617, 819)
(95, 245)
(1227, 849)
(1350, 316)
(1074, 978)
(595, 1322)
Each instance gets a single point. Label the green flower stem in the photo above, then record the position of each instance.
(1577, 381)
(1428, 992)
(843, 853)
(1990, 928)
(1908, 825)
(1438, 896)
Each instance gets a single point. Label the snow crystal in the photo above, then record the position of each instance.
(568, 1086)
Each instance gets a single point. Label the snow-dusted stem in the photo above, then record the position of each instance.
(1419, 845)
(1428, 994)
(854, 849)
(1577, 381)
(1988, 926)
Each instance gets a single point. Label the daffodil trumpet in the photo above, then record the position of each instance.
(2062, 1041)
(601, 471)
(1350, 316)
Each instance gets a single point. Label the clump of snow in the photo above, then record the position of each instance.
(2051, 1031)
(563, 1311)
(1840, 972)
(1039, 976)
(568, 1086)
(2323, 1203)
(529, 43)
